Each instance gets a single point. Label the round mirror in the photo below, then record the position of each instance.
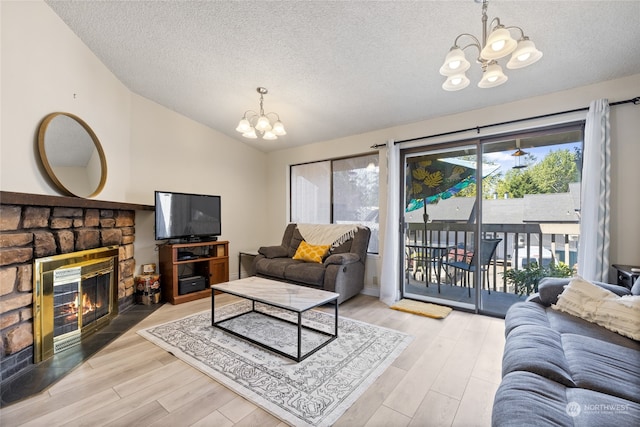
(72, 155)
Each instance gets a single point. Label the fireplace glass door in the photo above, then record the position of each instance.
(78, 300)
(75, 295)
(95, 298)
(65, 308)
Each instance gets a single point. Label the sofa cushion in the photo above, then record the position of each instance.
(574, 360)
(274, 251)
(550, 288)
(602, 366)
(525, 313)
(527, 399)
(311, 253)
(341, 259)
(274, 267)
(594, 409)
(305, 272)
(566, 323)
(539, 350)
(296, 238)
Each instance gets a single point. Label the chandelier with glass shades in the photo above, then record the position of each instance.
(497, 44)
(253, 122)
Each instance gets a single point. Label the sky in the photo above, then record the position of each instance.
(507, 161)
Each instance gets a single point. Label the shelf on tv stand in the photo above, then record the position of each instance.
(191, 240)
(212, 263)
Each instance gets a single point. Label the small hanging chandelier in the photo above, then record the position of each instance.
(260, 122)
(496, 45)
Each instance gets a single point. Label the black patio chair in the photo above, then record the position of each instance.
(487, 249)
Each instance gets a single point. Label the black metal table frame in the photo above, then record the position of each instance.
(299, 357)
(433, 254)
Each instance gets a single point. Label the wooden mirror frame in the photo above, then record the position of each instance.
(42, 148)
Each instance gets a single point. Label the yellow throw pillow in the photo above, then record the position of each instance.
(311, 253)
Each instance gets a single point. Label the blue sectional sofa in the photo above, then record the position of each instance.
(561, 370)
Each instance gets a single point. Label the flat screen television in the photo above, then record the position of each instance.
(188, 217)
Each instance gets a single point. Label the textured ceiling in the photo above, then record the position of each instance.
(339, 68)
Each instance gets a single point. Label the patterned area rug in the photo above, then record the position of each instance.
(314, 392)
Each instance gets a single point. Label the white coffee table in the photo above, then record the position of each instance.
(293, 298)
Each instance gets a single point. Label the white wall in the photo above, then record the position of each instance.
(46, 68)
(625, 128)
(170, 152)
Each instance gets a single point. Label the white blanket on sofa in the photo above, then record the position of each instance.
(327, 234)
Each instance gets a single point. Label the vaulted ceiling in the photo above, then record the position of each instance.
(339, 68)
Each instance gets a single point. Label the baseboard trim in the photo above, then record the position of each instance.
(371, 291)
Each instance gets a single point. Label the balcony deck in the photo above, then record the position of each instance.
(496, 303)
(521, 245)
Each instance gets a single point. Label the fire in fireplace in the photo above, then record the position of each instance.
(75, 295)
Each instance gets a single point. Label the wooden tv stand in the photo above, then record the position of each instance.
(210, 259)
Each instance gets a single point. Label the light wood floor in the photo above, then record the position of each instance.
(446, 377)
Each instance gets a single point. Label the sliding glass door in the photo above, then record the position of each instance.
(532, 206)
(485, 219)
(440, 224)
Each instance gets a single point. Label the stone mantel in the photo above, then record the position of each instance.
(26, 199)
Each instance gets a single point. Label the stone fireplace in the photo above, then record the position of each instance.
(37, 226)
